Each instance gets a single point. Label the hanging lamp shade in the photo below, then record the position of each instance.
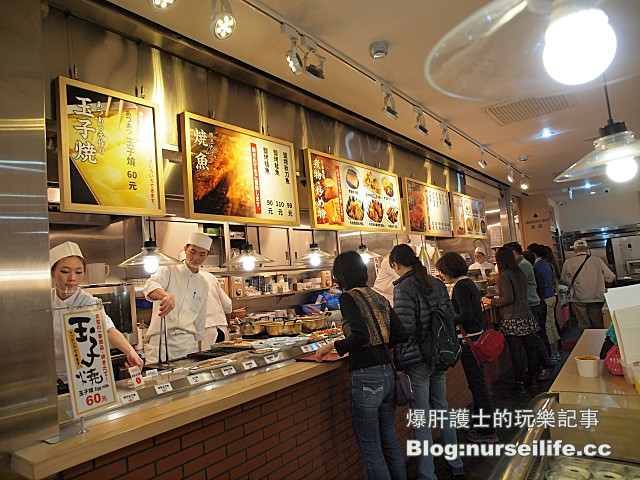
(423, 256)
(150, 258)
(315, 257)
(248, 259)
(367, 254)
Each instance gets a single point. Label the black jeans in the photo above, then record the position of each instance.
(542, 343)
(524, 357)
(477, 385)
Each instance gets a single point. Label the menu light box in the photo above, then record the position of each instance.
(427, 208)
(469, 217)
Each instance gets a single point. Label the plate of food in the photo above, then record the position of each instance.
(261, 352)
(210, 364)
(355, 210)
(469, 224)
(374, 212)
(392, 214)
(476, 226)
(387, 186)
(352, 178)
(372, 182)
(483, 226)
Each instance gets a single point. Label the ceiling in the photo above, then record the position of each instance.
(412, 28)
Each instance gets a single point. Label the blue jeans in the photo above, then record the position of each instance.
(431, 385)
(373, 417)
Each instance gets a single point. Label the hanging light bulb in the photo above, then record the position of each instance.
(510, 175)
(579, 43)
(315, 257)
(223, 23)
(248, 259)
(367, 254)
(150, 258)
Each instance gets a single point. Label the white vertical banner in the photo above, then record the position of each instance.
(86, 351)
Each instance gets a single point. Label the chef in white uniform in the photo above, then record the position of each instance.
(67, 271)
(218, 303)
(384, 280)
(179, 296)
(480, 264)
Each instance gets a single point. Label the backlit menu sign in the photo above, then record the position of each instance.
(232, 174)
(427, 208)
(349, 195)
(469, 218)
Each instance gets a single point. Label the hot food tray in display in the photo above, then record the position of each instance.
(210, 364)
(217, 352)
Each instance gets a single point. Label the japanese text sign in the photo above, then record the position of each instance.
(427, 207)
(86, 351)
(108, 157)
(351, 196)
(469, 218)
(230, 173)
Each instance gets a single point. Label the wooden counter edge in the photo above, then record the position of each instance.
(41, 460)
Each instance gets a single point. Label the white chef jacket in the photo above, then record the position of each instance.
(190, 291)
(384, 281)
(218, 302)
(78, 299)
(482, 267)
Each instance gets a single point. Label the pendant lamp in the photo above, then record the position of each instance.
(315, 257)
(365, 253)
(248, 259)
(423, 256)
(150, 257)
(615, 154)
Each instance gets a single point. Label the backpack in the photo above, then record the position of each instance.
(440, 348)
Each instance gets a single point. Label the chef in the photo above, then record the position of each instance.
(218, 303)
(67, 271)
(480, 264)
(179, 296)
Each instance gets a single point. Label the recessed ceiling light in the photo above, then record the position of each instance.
(162, 5)
(546, 133)
(378, 50)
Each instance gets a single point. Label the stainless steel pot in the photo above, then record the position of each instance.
(251, 329)
(275, 328)
(312, 322)
(292, 327)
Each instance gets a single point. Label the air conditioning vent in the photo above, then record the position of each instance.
(508, 113)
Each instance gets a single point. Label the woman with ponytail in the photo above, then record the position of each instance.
(415, 297)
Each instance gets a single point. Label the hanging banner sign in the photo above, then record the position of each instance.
(108, 157)
(427, 208)
(469, 218)
(233, 174)
(351, 196)
(86, 352)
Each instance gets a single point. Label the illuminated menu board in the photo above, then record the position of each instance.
(108, 157)
(349, 195)
(230, 173)
(469, 218)
(427, 208)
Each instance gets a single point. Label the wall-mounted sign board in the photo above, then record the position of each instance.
(469, 218)
(233, 174)
(427, 208)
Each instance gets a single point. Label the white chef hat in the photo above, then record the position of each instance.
(64, 250)
(480, 250)
(199, 240)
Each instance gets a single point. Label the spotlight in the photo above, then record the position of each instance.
(162, 5)
(378, 50)
(510, 176)
(315, 72)
(524, 182)
(482, 162)
(223, 23)
(421, 124)
(445, 140)
(570, 194)
(389, 108)
(293, 58)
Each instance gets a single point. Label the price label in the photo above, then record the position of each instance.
(136, 376)
(129, 397)
(93, 399)
(308, 348)
(163, 388)
(152, 373)
(249, 364)
(228, 370)
(271, 358)
(322, 343)
(194, 379)
(339, 337)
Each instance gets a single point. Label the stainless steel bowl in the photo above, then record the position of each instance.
(275, 328)
(313, 322)
(251, 329)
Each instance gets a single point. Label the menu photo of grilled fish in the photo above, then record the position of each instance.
(352, 178)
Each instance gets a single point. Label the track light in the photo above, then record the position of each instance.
(445, 140)
(482, 162)
(162, 5)
(378, 50)
(510, 176)
(315, 72)
(389, 108)
(223, 23)
(524, 182)
(421, 123)
(293, 57)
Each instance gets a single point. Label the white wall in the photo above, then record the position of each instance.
(601, 210)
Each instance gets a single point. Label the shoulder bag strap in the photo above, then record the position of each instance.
(573, 280)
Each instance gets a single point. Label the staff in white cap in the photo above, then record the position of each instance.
(179, 312)
(67, 271)
(481, 264)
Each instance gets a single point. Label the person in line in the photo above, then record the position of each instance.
(384, 280)
(467, 306)
(517, 322)
(369, 325)
(545, 271)
(180, 295)
(67, 273)
(586, 277)
(416, 295)
(480, 262)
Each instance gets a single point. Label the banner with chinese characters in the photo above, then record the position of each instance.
(349, 195)
(108, 158)
(86, 352)
(469, 218)
(230, 173)
(427, 207)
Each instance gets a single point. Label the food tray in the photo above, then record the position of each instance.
(210, 364)
(262, 352)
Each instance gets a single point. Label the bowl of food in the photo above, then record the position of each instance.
(355, 210)
(374, 212)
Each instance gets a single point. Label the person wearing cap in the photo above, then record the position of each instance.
(67, 271)
(586, 277)
(384, 280)
(218, 303)
(481, 264)
(179, 295)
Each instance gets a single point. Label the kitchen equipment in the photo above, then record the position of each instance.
(251, 329)
(275, 328)
(312, 322)
(239, 313)
(119, 303)
(96, 273)
(624, 254)
(292, 327)
(312, 308)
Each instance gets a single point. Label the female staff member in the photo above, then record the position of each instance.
(67, 272)
(416, 295)
(369, 324)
